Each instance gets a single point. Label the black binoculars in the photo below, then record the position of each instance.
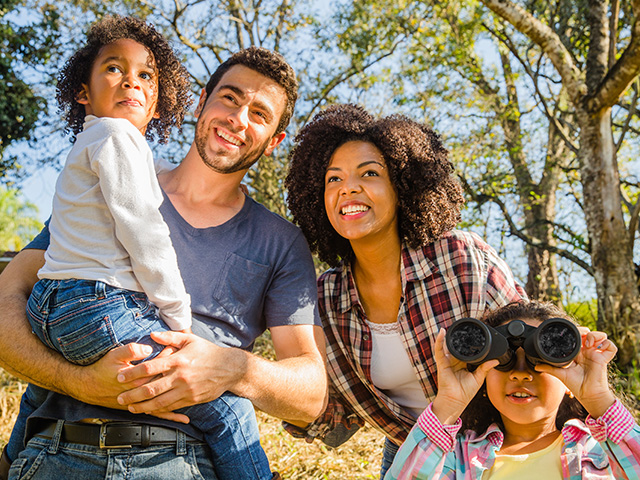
(556, 342)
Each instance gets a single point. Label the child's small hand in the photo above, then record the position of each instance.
(456, 385)
(586, 377)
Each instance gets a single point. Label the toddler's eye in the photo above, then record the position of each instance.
(146, 76)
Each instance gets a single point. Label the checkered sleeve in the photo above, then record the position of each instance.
(620, 436)
(423, 455)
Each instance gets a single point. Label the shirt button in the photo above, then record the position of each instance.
(365, 337)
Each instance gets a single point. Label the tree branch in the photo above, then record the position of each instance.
(534, 80)
(623, 72)
(548, 41)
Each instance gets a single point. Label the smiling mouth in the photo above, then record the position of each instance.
(520, 395)
(229, 138)
(353, 209)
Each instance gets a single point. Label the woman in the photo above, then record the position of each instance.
(378, 202)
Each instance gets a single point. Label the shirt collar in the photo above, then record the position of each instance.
(415, 267)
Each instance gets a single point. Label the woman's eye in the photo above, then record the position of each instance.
(370, 173)
(333, 179)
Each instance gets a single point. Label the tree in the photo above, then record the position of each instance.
(18, 224)
(594, 85)
(20, 106)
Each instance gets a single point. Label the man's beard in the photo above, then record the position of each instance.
(243, 163)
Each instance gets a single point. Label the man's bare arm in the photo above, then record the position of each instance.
(293, 387)
(22, 354)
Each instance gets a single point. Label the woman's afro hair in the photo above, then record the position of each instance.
(429, 197)
(174, 95)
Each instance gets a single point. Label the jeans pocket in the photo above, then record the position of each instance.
(27, 465)
(88, 342)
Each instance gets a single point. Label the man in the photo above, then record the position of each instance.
(246, 270)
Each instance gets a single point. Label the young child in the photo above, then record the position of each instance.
(523, 423)
(111, 275)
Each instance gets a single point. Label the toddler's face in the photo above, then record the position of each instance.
(522, 395)
(123, 84)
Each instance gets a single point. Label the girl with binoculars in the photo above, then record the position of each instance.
(525, 421)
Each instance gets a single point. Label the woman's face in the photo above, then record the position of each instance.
(360, 201)
(523, 396)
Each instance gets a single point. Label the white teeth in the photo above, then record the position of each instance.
(353, 209)
(229, 138)
(520, 395)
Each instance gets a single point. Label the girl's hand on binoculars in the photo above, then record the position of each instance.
(456, 385)
(586, 377)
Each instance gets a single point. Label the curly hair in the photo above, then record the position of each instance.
(268, 63)
(480, 413)
(429, 197)
(174, 95)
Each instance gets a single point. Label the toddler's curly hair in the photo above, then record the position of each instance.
(429, 196)
(174, 95)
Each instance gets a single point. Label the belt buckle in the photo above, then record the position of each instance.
(103, 438)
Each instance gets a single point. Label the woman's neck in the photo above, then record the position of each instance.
(376, 270)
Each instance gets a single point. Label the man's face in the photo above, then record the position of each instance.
(238, 120)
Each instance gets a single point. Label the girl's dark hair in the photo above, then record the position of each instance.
(429, 197)
(480, 413)
(174, 95)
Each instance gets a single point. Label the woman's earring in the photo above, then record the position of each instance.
(570, 393)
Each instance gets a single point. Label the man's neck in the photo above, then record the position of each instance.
(204, 198)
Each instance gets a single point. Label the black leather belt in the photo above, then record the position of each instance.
(115, 434)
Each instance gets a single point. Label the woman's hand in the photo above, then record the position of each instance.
(586, 377)
(456, 385)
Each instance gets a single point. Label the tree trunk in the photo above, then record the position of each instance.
(611, 255)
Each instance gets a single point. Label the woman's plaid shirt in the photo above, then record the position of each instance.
(455, 277)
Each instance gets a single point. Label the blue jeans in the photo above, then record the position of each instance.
(84, 319)
(46, 459)
(388, 454)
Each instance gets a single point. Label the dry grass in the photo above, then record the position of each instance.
(358, 459)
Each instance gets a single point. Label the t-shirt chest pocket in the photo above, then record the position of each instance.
(241, 285)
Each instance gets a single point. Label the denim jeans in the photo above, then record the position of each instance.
(46, 459)
(388, 454)
(83, 320)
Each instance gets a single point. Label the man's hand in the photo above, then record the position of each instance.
(293, 387)
(197, 372)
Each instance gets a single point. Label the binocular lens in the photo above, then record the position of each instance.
(557, 341)
(467, 341)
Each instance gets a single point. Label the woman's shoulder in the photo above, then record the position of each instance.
(452, 244)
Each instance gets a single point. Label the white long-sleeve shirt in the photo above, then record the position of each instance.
(105, 224)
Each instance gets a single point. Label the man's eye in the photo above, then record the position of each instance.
(261, 115)
(231, 98)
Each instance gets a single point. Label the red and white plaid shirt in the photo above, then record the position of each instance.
(455, 277)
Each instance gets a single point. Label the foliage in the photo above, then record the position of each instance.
(18, 221)
(20, 105)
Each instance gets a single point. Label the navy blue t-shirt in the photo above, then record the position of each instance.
(249, 274)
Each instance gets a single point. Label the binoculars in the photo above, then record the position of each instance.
(556, 342)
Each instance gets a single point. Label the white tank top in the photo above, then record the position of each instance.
(391, 368)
